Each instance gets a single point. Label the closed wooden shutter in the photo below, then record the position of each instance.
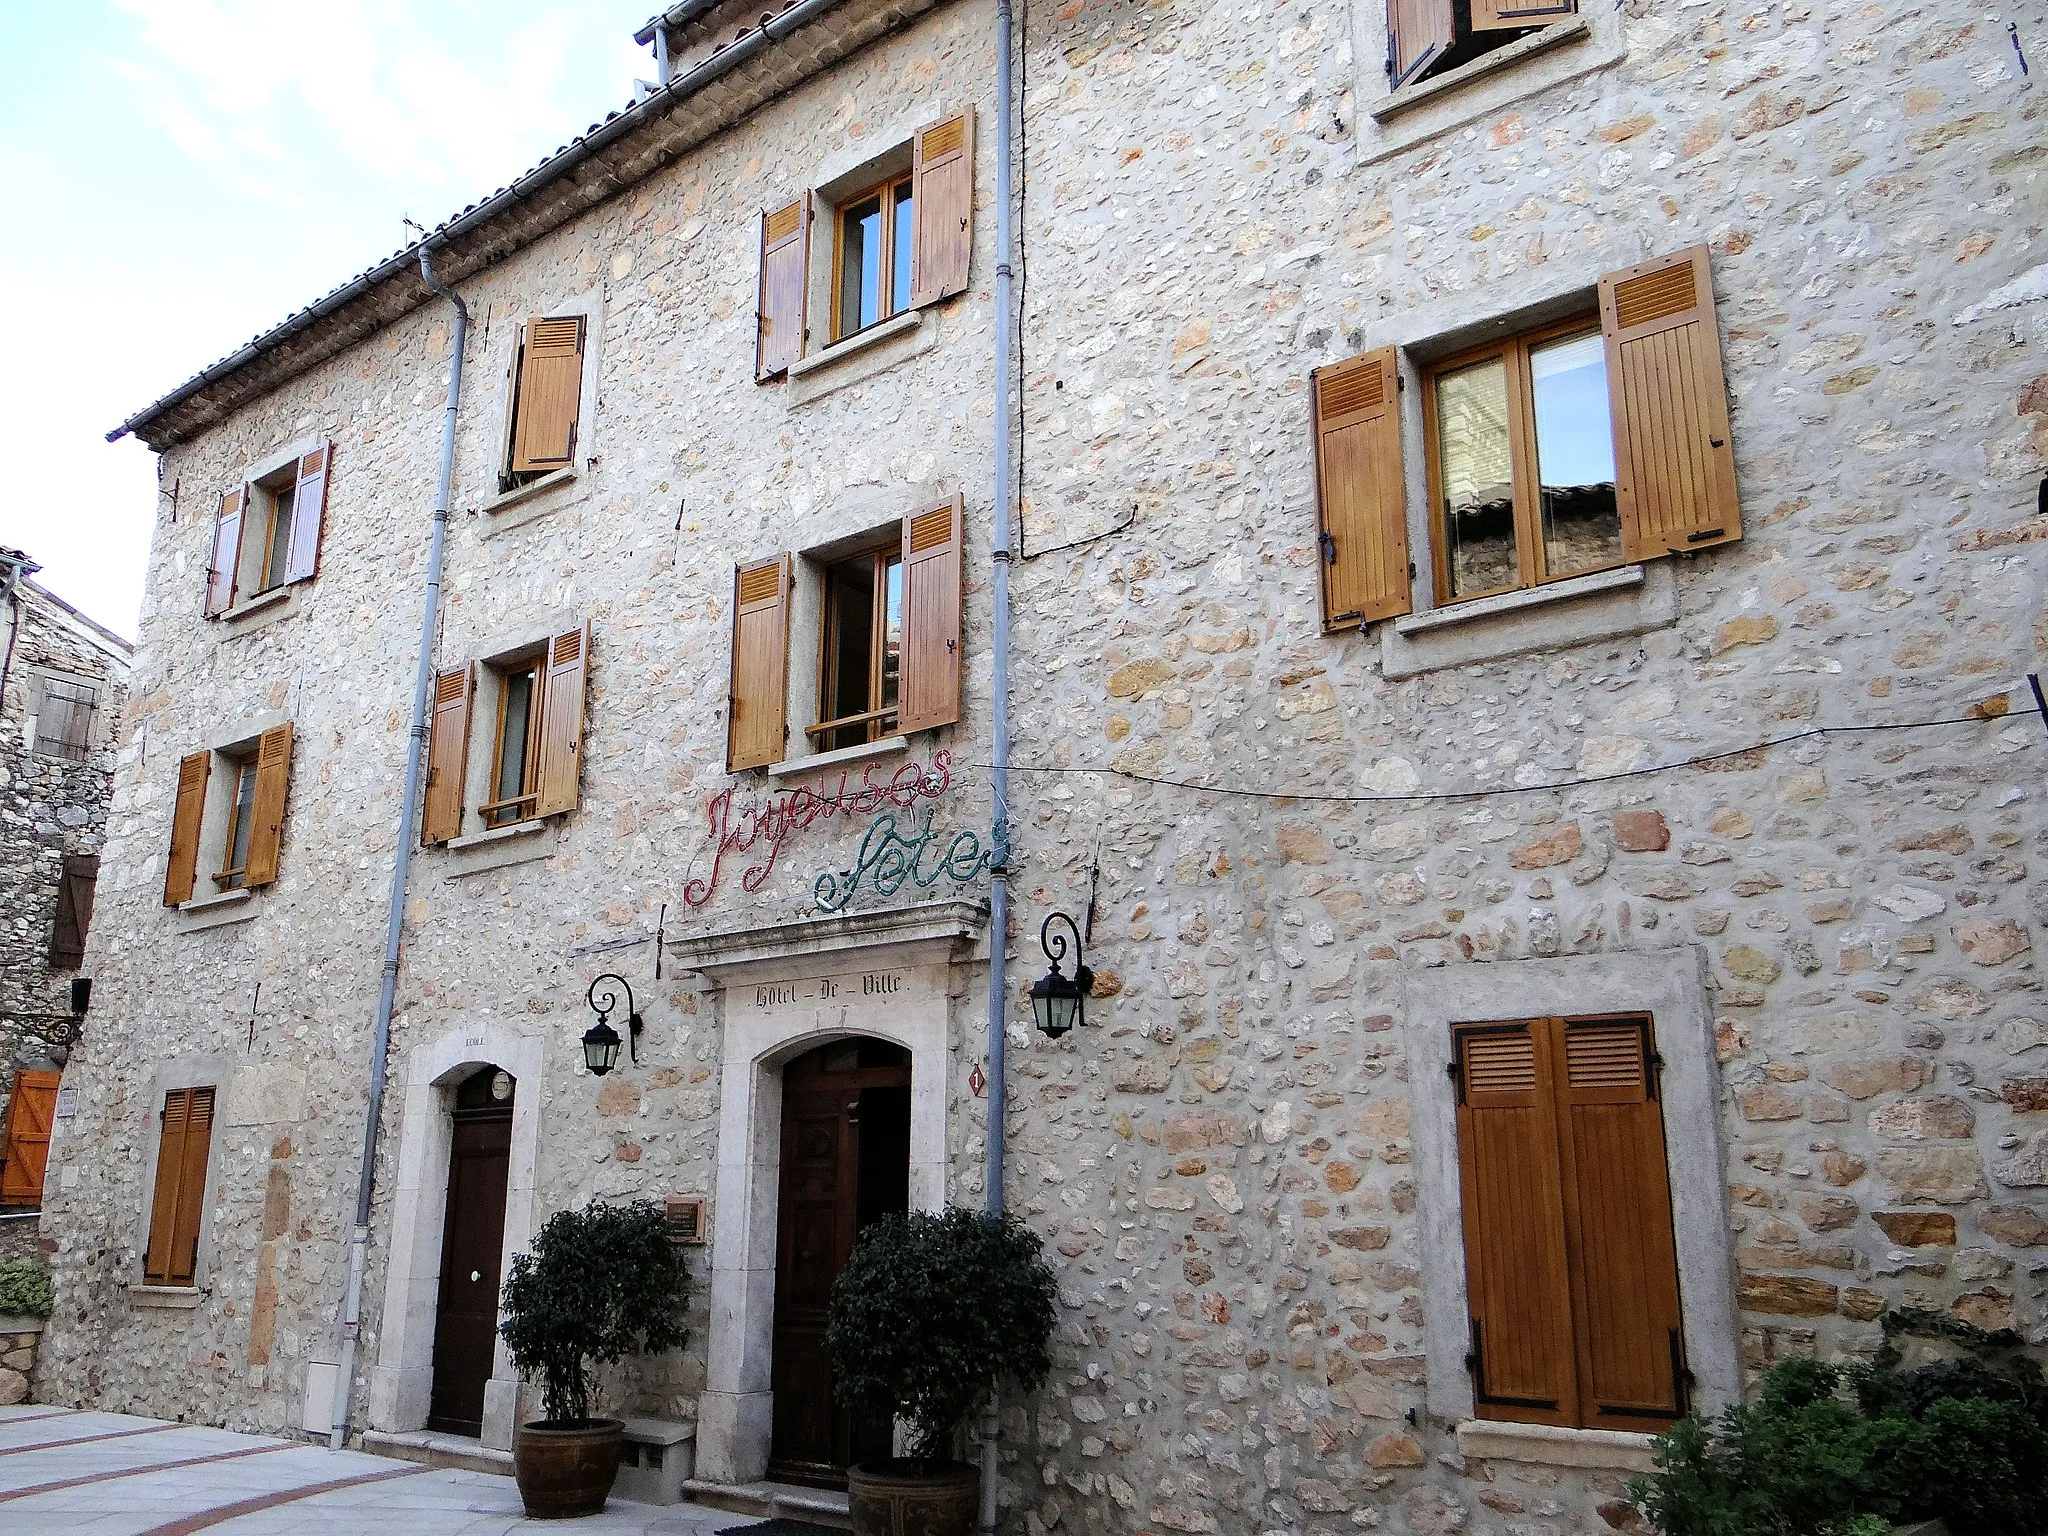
(179, 1199)
(309, 507)
(25, 1144)
(928, 688)
(266, 810)
(74, 910)
(549, 394)
(942, 208)
(1674, 466)
(448, 753)
(559, 772)
(785, 247)
(1518, 1288)
(1618, 1222)
(1501, 15)
(227, 551)
(758, 721)
(1360, 504)
(1419, 32)
(183, 868)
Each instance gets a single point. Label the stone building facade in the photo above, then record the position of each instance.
(1771, 786)
(62, 688)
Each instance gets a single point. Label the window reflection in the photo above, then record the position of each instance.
(1575, 455)
(1476, 463)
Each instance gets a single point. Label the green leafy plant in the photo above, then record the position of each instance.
(25, 1289)
(600, 1283)
(1850, 1450)
(931, 1311)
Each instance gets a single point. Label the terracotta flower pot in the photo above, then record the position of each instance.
(564, 1472)
(901, 1497)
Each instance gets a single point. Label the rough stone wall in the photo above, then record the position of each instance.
(1222, 1162)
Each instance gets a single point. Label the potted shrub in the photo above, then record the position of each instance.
(600, 1283)
(930, 1314)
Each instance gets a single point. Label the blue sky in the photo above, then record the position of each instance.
(181, 174)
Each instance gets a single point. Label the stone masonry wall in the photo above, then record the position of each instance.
(1223, 1163)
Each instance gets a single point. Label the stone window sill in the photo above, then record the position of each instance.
(500, 847)
(822, 762)
(521, 505)
(1599, 1449)
(217, 911)
(1515, 602)
(862, 356)
(1542, 40)
(261, 602)
(1582, 610)
(491, 835)
(176, 1297)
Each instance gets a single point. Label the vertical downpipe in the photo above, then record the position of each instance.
(416, 746)
(999, 687)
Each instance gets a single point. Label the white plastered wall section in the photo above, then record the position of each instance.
(1673, 986)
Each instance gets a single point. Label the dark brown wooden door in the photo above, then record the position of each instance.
(845, 1163)
(472, 1249)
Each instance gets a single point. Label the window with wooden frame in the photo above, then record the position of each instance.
(861, 662)
(1427, 38)
(25, 1139)
(267, 531)
(547, 398)
(531, 699)
(64, 711)
(1590, 443)
(178, 1201)
(228, 816)
(1570, 1255)
(872, 243)
(515, 752)
(234, 870)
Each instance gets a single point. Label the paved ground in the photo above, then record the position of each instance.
(115, 1475)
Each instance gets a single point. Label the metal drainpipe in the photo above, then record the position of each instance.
(423, 677)
(999, 751)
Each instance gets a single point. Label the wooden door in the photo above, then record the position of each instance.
(845, 1163)
(472, 1251)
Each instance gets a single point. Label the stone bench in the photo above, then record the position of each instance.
(660, 1455)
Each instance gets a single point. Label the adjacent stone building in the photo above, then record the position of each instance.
(1529, 560)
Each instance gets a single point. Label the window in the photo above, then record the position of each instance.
(547, 398)
(75, 890)
(1570, 1254)
(267, 531)
(533, 697)
(229, 815)
(863, 655)
(25, 1141)
(64, 718)
(1581, 446)
(179, 1199)
(1426, 38)
(875, 244)
(241, 823)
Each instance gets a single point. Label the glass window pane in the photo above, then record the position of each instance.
(245, 815)
(512, 754)
(900, 285)
(892, 636)
(1476, 461)
(1575, 455)
(860, 265)
(280, 537)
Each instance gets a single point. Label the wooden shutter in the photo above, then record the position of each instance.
(1674, 468)
(25, 1145)
(561, 723)
(549, 394)
(779, 309)
(1500, 15)
(448, 753)
(1619, 1228)
(185, 815)
(227, 551)
(266, 811)
(942, 208)
(309, 506)
(179, 1200)
(928, 687)
(1517, 1278)
(1361, 510)
(1419, 32)
(757, 722)
(74, 910)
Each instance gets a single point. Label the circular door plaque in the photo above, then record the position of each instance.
(501, 1086)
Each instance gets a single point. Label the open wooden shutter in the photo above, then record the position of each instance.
(942, 208)
(266, 811)
(25, 1145)
(183, 868)
(757, 723)
(1502, 15)
(74, 910)
(309, 505)
(550, 392)
(928, 687)
(448, 753)
(785, 246)
(1517, 1279)
(1361, 508)
(227, 551)
(1419, 32)
(179, 1200)
(561, 723)
(1674, 466)
(1618, 1227)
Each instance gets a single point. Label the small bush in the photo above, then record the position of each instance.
(25, 1289)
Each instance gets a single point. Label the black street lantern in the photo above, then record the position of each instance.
(601, 1042)
(1057, 1002)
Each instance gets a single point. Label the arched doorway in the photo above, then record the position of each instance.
(845, 1164)
(472, 1251)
